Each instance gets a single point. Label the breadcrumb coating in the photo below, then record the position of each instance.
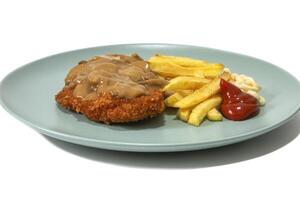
(110, 109)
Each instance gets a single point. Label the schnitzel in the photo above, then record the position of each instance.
(113, 88)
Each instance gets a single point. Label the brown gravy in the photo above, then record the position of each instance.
(119, 75)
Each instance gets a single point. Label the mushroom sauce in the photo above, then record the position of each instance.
(119, 75)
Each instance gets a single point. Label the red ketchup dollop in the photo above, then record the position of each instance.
(237, 105)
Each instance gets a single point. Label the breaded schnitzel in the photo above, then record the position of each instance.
(113, 89)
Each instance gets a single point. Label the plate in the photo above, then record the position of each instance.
(28, 94)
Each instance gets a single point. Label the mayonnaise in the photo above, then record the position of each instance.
(246, 84)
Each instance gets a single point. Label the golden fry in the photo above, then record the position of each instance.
(203, 93)
(210, 70)
(184, 114)
(200, 111)
(200, 95)
(214, 115)
(171, 100)
(185, 61)
(213, 72)
(169, 69)
(184, 93)
(185, 82)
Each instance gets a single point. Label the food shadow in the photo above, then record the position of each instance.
(230, 154)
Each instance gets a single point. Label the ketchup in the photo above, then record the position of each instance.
(237, 105)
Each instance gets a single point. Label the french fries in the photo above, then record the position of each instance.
(212, 72)
(200, 111)
(171, 66)
(174, 98)
(184, 114)
(184, 61)
(169, 69)
(203, 93)
(185, 83)
(200, 95)
(214, 115)
(194, 86)
(185, 92)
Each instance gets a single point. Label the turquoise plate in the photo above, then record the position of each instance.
(28, 94)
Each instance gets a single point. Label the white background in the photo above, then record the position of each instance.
(35, 167)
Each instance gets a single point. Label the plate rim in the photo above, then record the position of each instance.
(128, 146)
